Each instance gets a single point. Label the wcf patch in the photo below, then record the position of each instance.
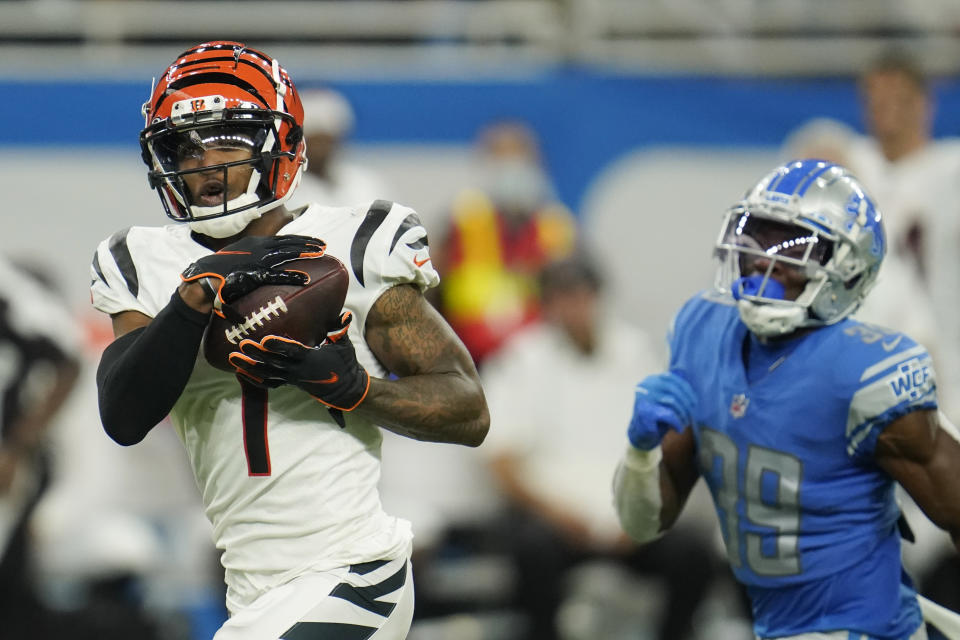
(912, 379)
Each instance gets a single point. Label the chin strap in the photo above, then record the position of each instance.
(231, 224)
(768, 320)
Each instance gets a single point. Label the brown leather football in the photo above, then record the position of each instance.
(305, 313)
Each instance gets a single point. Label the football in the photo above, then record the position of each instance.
(305, 313)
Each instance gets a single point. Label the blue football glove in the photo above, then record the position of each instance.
(662, 401)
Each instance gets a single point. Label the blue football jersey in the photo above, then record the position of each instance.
(808, 518)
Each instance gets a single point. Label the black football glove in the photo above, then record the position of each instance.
(330, 373)
(249, 263)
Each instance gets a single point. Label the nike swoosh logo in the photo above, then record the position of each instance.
(332, 379)
(420, 263)
(891, 345)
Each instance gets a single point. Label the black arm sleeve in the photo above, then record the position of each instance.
(142, 373)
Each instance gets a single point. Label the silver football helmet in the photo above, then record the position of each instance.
(811, 220)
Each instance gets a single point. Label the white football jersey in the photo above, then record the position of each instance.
(314, 504)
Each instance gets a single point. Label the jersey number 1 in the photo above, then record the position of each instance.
(255, 445)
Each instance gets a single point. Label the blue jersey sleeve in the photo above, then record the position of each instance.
(895, 377)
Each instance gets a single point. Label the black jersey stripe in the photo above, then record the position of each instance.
(367, 567)
(358, 250)
(327, 631)
(96, 266)
(366, 597)
(254, 418)
(121, 255)
(411, 221)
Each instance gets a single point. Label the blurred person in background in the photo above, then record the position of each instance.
(800, 419)
(819, 137)
(899, 161)
(40, 362)
(554, 391)
(911, 176)
(328, 120)
(917, 290)
(500, 233)
(915, 179)
(127, 520)
(898, 299)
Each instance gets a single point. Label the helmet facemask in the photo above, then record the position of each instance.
(828, 267)
(752, 248)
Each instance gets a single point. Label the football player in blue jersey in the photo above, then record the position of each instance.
(800, 419)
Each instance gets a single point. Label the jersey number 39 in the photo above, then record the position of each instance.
(768, 487)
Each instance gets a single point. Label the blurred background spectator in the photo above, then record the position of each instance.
(40, 362)
(914, 178)
(913, 175)
(558, 398)
(330, 179)
(500, 233)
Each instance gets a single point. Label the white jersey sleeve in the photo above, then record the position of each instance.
(138, 269)
(382, 245)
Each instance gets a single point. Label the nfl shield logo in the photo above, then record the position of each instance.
(738, 406)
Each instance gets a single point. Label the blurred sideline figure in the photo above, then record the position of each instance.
(128, 518)
(40, 350)
(899, 160)
(914, 178)
(918, 288)
(500, 233)
(555, 391)
(820, 137)
(898, 299)
(800, 420)
(328, 121)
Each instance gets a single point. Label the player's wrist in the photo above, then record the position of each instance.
(642, 460)
(198, 295)
(349, 395)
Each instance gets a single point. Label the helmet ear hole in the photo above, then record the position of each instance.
(294, 136)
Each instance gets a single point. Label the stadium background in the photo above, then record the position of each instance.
(653, 116)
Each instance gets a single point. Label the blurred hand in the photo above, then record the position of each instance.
(662, 401)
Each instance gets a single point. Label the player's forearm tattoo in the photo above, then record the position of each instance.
(437, 395)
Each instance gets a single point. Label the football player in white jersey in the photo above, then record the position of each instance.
(288, 468)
